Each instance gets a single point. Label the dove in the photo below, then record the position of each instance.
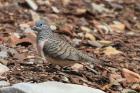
(53, 48)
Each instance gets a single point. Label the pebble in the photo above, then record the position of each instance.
(85, 29)
(48, 87)
(3, 69)
(4, 84)
(76, 41)
(55, 9)
(95, 44)
(32, 4)
(80, 34)
(3, 54)
(90, 36)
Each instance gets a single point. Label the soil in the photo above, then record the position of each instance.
(13, 13)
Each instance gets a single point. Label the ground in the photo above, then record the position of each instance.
(110, 34)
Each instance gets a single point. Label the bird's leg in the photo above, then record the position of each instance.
(42, 56)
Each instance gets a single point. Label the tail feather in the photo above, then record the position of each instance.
(85, 57)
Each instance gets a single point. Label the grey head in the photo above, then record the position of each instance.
(40, 25)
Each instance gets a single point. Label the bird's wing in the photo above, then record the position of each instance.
(64, 38)
(60, 49)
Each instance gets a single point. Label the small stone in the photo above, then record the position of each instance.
(3, 61)
(80, 11)
(100, 8)
(65, 79)
(3, 54)
(53, 27)
(34, 15)
(105, 42)
(85, 29)
(55, 9)
(115, 79)
(95, 44)
(76, 41)
(90, 36)
(3, 69)
(23, 26)
(4, 84)
(118, 27)
(136, 87)
(111, 51)
(50, 87)
(32, 4)
(77, 67)
(65, 2)
(128, 91)
(80, 34)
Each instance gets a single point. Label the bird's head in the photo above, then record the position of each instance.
(40, 25)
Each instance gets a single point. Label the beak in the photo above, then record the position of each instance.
(34, 29)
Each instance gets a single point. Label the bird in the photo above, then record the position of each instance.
(52, 47)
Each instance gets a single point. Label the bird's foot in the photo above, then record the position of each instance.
(43, 59)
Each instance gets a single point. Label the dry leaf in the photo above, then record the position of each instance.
(67, 29)
(15, 39)
(130, 76)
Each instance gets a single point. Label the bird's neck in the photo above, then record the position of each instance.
(45, 34)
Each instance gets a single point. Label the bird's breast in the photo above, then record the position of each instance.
(41, 44)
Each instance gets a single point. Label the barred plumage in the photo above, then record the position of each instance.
(55, 47)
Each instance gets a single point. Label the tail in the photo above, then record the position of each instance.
(85, 57)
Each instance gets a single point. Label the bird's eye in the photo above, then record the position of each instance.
(40, 25)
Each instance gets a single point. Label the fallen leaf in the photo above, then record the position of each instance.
(130, 76)
(67, 29)
(111, 51)
(15, 39)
